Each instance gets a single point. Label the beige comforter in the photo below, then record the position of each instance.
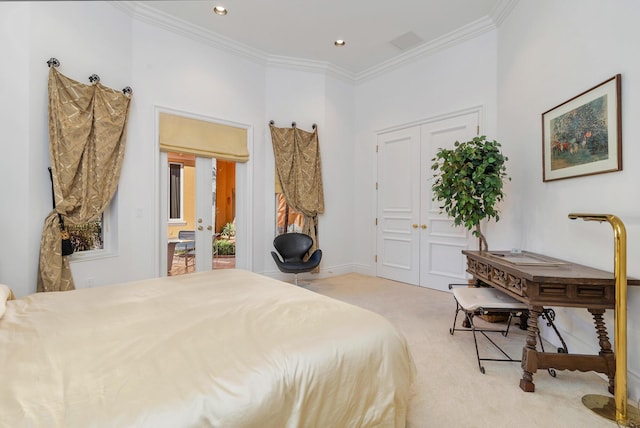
(225, 348)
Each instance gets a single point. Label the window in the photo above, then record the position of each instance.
(87, 236)
(287, 219)
(175, 192)
(95, 239)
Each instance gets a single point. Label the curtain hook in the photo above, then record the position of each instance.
(53, 62)
(293, 124)
(271, 122)
(127, 90)
(94, 78)
(314, 126)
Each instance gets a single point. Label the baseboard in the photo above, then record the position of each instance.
(325, 272)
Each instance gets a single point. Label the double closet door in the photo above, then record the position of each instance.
(415, 243)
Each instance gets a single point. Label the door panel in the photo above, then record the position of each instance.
(205, 213)
(442, 242)
(398, 205)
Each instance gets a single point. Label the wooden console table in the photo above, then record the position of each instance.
(539, 281)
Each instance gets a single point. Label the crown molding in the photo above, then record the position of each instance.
(142, 12)
(460, 35)
(310, 66)
(501, 10)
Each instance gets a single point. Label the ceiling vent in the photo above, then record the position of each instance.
(407, 41)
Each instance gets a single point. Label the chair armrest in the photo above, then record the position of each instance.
(315, 257)
(276, 258)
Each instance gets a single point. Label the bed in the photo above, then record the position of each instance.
(226, 348)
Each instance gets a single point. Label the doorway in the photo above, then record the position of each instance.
(213, 208)
(191, 213)
(415, 243)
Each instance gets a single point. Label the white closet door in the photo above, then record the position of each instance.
(415, 243)
(441, 260)
(398, 234)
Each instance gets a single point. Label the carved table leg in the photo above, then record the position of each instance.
(605, 345)
(529, 361)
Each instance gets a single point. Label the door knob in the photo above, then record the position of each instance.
(415, 226)
(199, 227)
(424, 226)
(209, 227)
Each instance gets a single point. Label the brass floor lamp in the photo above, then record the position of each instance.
(616, 409)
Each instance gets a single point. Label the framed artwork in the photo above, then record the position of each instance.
(583, 136)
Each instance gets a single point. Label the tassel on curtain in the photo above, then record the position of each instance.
(87, 135)
(297, 157)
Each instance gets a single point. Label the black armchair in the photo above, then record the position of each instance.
(291, 249)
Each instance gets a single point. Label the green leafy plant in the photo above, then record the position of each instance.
(469, 181)
(228, 231)
(224, 247)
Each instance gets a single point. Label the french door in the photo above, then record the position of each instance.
(415, 243)
(188, 208)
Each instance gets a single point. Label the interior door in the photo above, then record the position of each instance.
(205, 189)
(416, 244)
(398, 194)
(441, 244)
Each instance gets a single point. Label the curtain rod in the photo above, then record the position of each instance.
(94, 78)
(293, 124)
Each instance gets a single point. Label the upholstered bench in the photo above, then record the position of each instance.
(484, 300)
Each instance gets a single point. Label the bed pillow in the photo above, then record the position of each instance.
(5, 294)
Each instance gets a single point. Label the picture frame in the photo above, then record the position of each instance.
(583, 136)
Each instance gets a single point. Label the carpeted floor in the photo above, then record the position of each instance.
(449, 390)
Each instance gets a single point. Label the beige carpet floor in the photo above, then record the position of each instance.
(449, 390)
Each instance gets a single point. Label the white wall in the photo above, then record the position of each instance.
(450, 80)
(307, 98)
(31, 34)
(549, 52)
(17, 202)
(174, 72)
(168, 71)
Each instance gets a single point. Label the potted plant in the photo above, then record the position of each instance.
(468, 183)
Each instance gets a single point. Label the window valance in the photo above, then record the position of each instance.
(201, 138)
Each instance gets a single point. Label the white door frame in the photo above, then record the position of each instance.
(475, 109)
(244, 204)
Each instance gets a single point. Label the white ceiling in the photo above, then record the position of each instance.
(304, 30)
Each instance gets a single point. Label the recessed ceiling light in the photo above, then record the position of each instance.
(220, 10)
(339, 42)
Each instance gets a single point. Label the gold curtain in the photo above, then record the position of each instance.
(87, 135)
(297, 157)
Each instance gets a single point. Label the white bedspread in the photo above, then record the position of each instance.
(226, 348)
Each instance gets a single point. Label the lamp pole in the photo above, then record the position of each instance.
(615, 410)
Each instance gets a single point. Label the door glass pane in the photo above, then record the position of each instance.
(181, 229)
(224, 244)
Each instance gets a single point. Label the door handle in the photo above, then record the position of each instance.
(424, 226)
(415, 226)
(199, 227)
(209, 227)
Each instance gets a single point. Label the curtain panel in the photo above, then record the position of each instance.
(87, 135)
(298, 168)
